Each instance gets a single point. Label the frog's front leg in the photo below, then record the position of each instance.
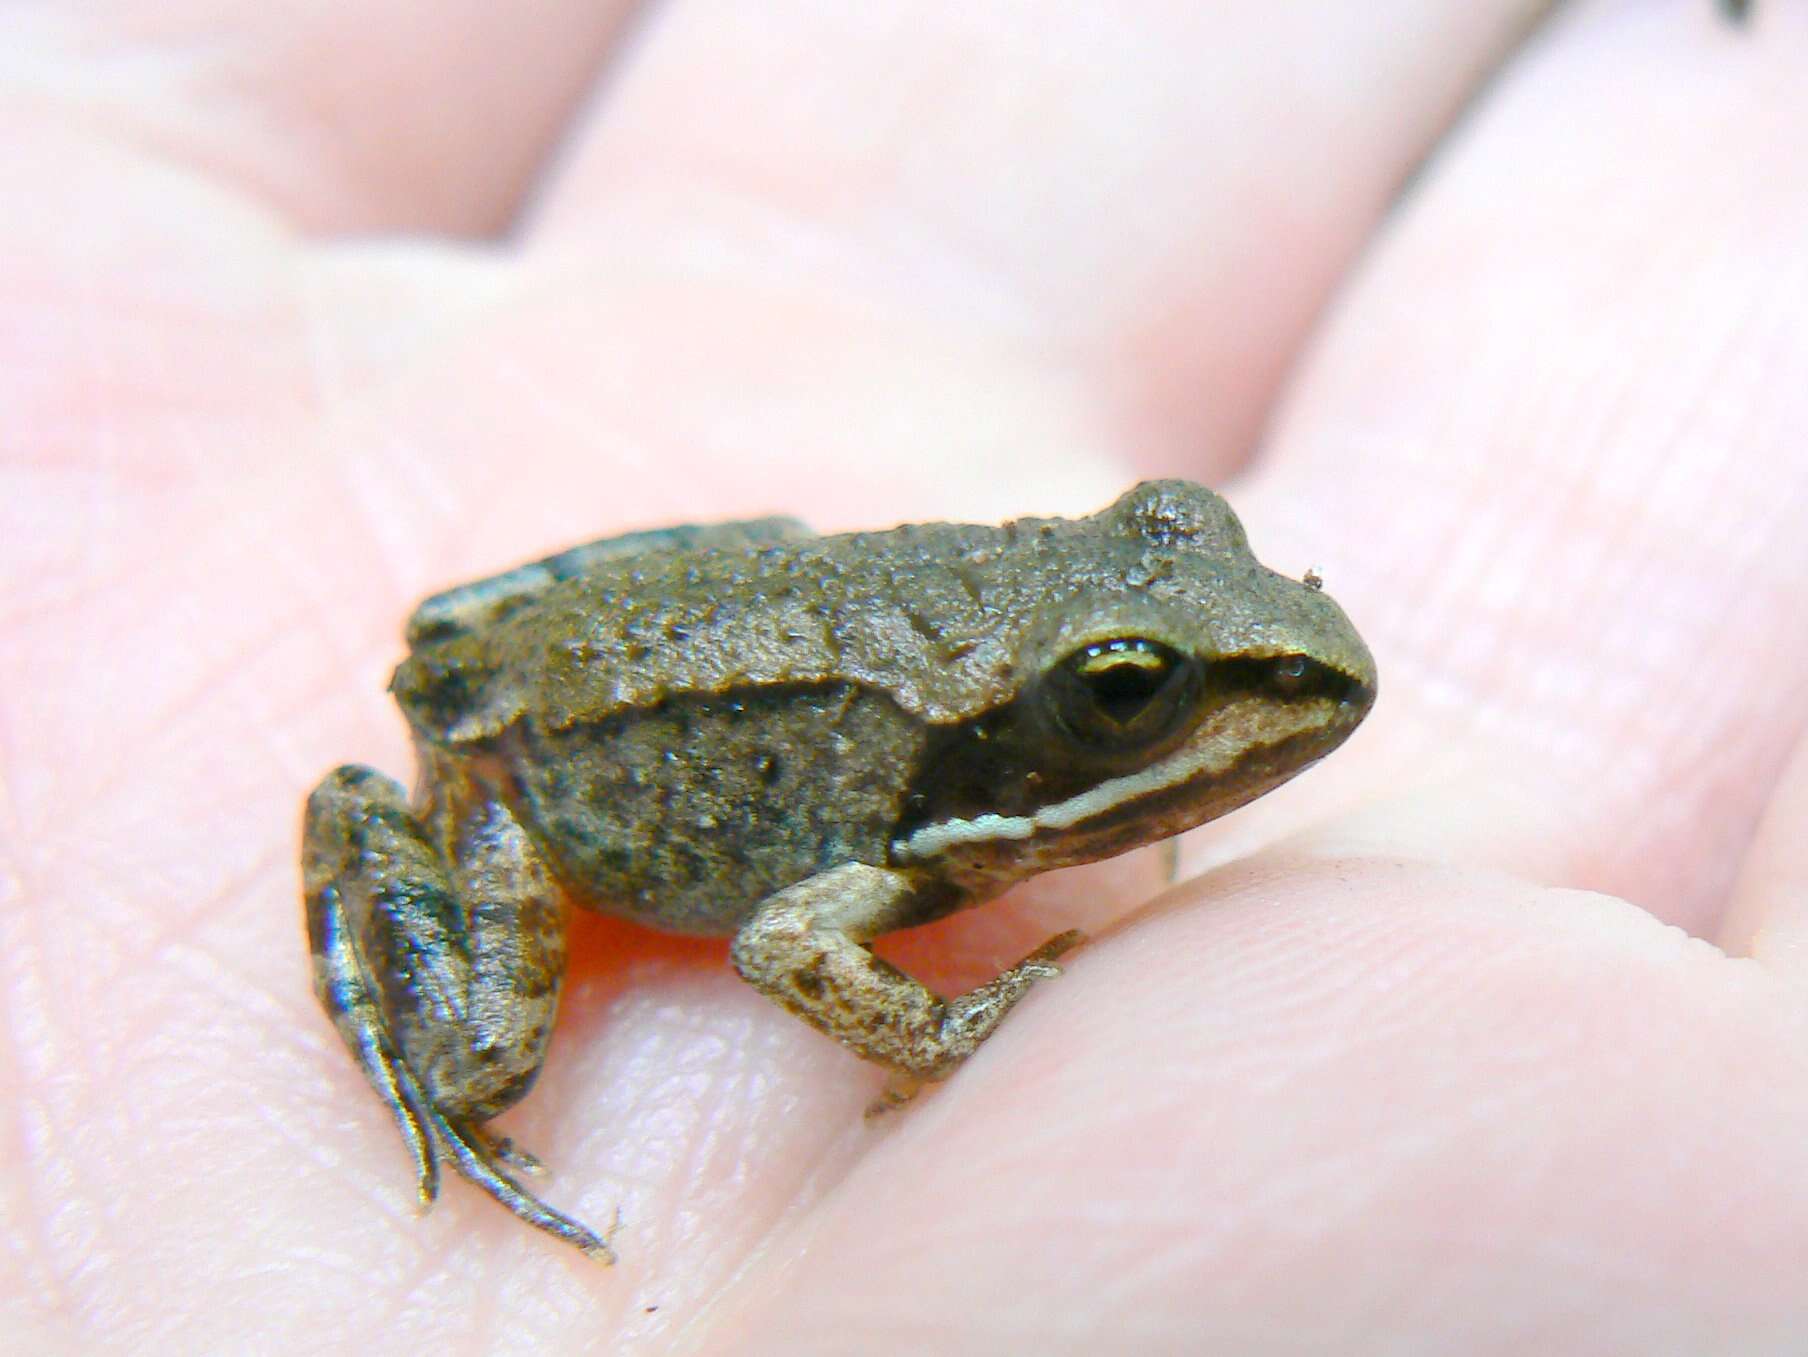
(438, 950)
(805, 947)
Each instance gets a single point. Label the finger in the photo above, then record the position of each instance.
(1370, 1058)
(1574, 380)
(425, 114)
(1151, 201)
(1769, 914)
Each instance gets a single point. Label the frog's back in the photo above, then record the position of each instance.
(921, 613)
(484, 603)
(908, 611)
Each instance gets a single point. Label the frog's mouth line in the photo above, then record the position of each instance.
(1227, 744)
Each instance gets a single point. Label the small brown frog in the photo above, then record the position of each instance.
(803, 742)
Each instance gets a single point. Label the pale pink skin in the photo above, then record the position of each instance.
(1422, 1064)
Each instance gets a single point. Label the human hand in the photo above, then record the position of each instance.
(1382, 1080)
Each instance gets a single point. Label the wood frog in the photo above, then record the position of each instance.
(802, 743)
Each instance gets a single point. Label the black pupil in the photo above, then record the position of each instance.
(1123, 677)
(1122, 690)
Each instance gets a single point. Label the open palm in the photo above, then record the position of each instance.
(306, 311)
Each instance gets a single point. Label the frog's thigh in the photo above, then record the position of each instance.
(805, 948)
(464, 961)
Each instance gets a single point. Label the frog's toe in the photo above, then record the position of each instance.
(426, 1167)
(1055, 948)
(900, 1088)
(476, 1157)
(508, 1152)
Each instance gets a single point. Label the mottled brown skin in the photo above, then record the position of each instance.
(802, 742)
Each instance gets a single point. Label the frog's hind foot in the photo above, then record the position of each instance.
(376, 888)
(429, 1133)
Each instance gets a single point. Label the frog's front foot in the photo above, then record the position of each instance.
(442, 980)
(805, 947)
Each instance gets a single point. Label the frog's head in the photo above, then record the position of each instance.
(1168, 678)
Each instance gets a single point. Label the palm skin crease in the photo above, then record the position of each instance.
(1487, 1035)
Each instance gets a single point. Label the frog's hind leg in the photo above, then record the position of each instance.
(441, 981)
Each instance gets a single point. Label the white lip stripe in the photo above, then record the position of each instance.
(926, 842)
(1191, 761)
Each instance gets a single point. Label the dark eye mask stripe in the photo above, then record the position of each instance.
(1200, 759)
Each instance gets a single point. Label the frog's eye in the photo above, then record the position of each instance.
(1125, 692)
